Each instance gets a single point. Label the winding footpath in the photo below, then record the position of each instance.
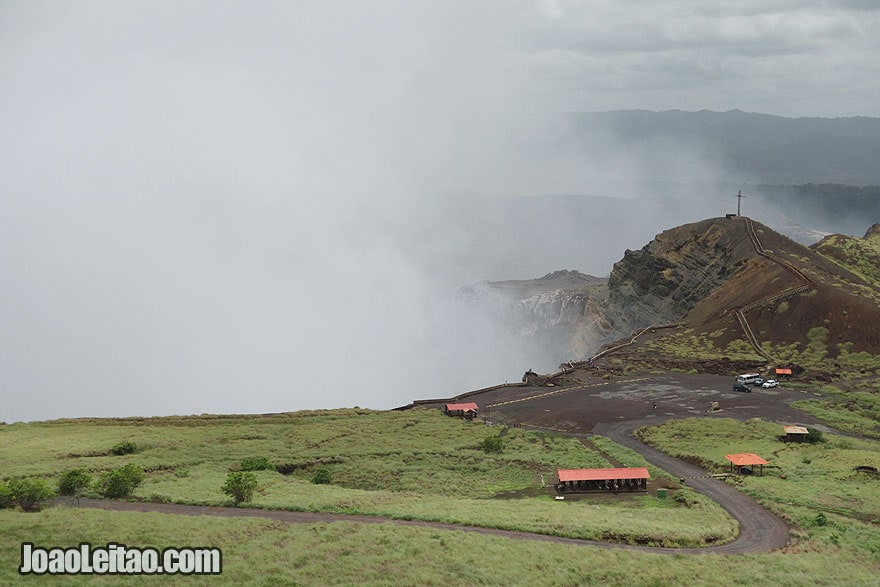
(759, 530)
(740, 313)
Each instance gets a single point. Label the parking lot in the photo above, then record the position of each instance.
(578, 408)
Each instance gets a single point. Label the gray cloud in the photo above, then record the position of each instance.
(222, 206)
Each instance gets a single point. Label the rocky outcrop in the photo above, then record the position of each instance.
(679, 268)
(561, 315)
(573, 315)
(700, 274)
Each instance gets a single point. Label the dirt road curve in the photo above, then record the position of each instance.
(759, 529)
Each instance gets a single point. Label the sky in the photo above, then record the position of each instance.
(237, 207)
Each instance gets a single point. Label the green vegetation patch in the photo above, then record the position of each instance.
(266, 552)
(416, 464)
(701, 346)
(853, 407)
(816, 478)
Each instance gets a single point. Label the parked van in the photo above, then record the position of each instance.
(748, 378)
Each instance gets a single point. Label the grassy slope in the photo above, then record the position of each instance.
(417, 464)
(859, 255)
(266, 552)
(802, 481)
(270, 553)
(851, 406)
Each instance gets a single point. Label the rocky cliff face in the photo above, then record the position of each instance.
(572, 314)
(559, 316)
(700, 274)
(678, 269)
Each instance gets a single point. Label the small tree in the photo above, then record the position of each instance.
(120, 482)
(322, 477)
(814, 435)
(240, 486)
(29, 494)
(492, 444)
(74, 482)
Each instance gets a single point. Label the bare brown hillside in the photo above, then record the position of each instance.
(739, 292)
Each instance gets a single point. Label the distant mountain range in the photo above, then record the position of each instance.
(756, 148)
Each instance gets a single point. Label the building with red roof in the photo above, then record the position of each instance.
(466, 410)
(744, 461)
(611, 479)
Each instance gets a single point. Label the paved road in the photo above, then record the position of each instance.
(759, 529)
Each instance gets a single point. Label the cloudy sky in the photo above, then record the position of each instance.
(251, 207)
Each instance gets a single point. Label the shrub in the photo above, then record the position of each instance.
(74, 482)
(492, 444)
(29, 494)
(322, 477)
(821, 519)
(814, 435)
(5, 496)
(120, 482)
(240, 486)
(256, 464)
(124, 448)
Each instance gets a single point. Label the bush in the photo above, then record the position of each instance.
(124, 448)
(322, 477)
(814, 435)
(120, 482)
(74, 482)
(256, 464)
(240, 486)
(492, 444)
(29, 494)
(5, 496)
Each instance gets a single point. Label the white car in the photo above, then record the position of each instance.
(770, 383)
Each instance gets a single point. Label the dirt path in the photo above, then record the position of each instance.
(316, 518)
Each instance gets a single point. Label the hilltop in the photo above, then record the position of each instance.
(730, 290)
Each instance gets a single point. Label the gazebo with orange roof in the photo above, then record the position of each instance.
(746, 459)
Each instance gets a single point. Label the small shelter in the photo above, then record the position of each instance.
(782, 372)
(612, 479)
(468, 410)
(744, 461)
(796, 433)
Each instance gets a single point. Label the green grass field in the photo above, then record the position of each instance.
(264, 552)
(802, 481)
(852, 406)
(379, 461)
(417, 464)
